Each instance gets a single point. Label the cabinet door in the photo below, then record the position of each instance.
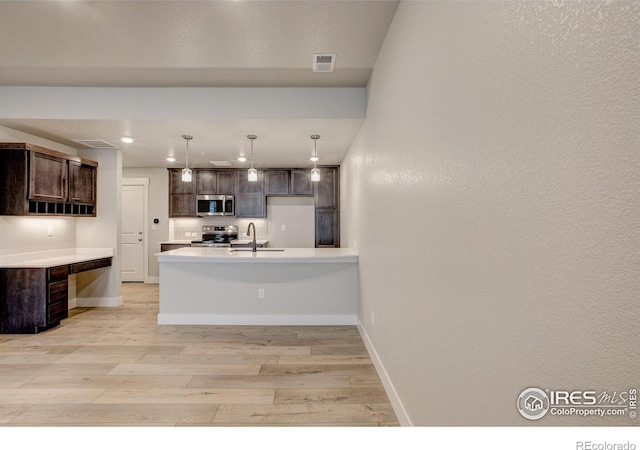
(182, 205)
(47, 177)
(177, 186)
(244, 186)
(276, 182)
(301, 182)
(251, 206)
(327, 189)
(168, 247)
(82, 183)
(226, 182)
(182, 195)
(206, 181)
(327, 228)
(250, 199)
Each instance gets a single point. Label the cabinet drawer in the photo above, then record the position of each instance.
(57, 312)
(58, 291)
(90, 265)
(59, 273)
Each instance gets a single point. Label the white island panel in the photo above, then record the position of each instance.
(300, 286)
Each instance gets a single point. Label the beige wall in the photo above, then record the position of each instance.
(500, 150)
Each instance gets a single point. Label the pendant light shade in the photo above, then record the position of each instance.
(315, 172)
(253, 173)
(186, 172)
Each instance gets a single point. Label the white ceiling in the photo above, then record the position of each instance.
(194, 44)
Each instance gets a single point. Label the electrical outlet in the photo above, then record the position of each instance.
(284, 227)
(373, 319)
(187, 234)
(49, 231)
(260, 293)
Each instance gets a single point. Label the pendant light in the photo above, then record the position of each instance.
(253, 173)
(315, 172)
(186, 172)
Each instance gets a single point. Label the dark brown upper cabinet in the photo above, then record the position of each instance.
(48, 175)
(82, 183)
(327, 189)
(182, 195)
(276, 182)
(215, 182)
(301, 182)
(251, 201)
(39, 181)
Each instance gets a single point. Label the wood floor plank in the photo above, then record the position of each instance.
(108, 381)
(244, 350)
(186, 369)
(324, 359)
(327, 369)
(310, 413)
(117, 414)
(333, 396)
(31, 369)
(10, 412)
(209, 359)
(40, 396)
(209, 396)
(270, 381)
(339, 350)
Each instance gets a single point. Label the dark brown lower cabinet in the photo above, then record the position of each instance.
(168, 247)
(33, 300)
(327, 228)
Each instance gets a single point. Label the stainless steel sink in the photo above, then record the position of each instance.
(233, 250)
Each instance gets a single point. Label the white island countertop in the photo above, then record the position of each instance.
(267, 255)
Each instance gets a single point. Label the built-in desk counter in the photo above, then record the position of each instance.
(292, 286)
(34, 286)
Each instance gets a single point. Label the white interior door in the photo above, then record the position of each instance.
(133, 233)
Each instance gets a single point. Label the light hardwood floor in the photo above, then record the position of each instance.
(118, 367)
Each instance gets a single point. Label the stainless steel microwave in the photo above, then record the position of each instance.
(215, 205)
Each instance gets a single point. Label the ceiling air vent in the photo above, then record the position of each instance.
(95, 143)
(323, 62)
(220, 163)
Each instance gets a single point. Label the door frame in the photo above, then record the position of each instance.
(144, 182)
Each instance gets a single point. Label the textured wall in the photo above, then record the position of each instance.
(501, 150)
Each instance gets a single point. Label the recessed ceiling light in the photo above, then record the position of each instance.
(242, 159)
(171, 159)
(127, 140)
(314, 158)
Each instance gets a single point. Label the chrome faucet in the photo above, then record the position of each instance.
(253, 244)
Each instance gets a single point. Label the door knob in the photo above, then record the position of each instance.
(140, 240)
(139, 232)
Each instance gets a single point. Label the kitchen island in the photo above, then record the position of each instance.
(293, 286)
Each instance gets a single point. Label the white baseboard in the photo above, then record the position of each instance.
(256, 319)
(153, 280)
(104, 302)
(396, 403)
(72, 303)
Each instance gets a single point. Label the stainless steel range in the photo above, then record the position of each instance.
(217, 236)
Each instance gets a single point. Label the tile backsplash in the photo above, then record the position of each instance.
(191, 229)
